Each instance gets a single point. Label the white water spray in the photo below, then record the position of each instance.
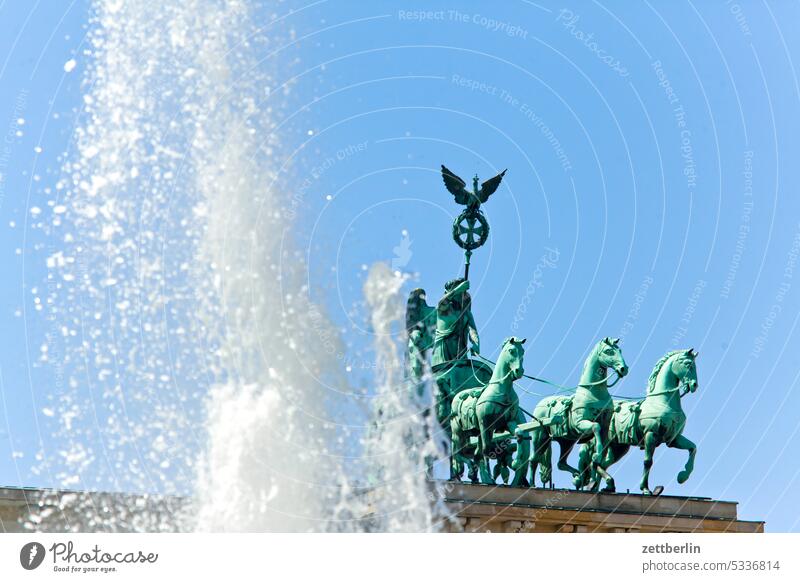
(197, 367)
(399, 443)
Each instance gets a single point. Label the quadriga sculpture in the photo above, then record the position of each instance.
(581, 417)
(489, 412)
(657, 419)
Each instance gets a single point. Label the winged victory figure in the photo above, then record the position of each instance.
(472, 200)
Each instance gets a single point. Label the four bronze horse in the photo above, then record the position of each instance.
(487, 422)
(485, 411)
(658, 419)
(585, 415)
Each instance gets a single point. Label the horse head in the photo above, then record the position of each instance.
(609, 355)
(684, 367)
(511, 355)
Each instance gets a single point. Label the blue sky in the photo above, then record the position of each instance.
(650, 194)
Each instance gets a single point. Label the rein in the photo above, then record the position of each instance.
(671, 390)
(503, 379)
(558, 386)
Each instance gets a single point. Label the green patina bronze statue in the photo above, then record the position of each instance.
(471, 223)
(449, 329)
(452, 368)
(478, 408)
(657, 419)
(584, 416)
(504, 457)
(455, 325)
(486, 411)
(420, 327)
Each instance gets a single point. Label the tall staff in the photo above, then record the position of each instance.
(470, 228)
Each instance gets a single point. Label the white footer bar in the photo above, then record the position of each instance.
(412, 557)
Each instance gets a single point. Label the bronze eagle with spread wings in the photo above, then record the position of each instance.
(474, 199)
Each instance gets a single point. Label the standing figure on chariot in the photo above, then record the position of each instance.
(455, 328)
(449, 330)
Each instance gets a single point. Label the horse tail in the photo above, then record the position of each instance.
(523, 455)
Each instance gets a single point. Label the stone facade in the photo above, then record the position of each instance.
(485, 508)
(56, 510)
(475, 508)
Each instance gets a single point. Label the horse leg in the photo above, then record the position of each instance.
(593, 473)
(520, 467)
(456, 466)
(472, 473)
(472, 468)
(681, 442)
(483, 469)
(501, 468)
(546, 469)
(603, 474)
(442, 405)
(614, 454)
(523, 456)
(586, 427)
(484, 445)
(539, 441)
(585, 463)
(649, 449)
(537, 438)
(565, 448)
(429, 459)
